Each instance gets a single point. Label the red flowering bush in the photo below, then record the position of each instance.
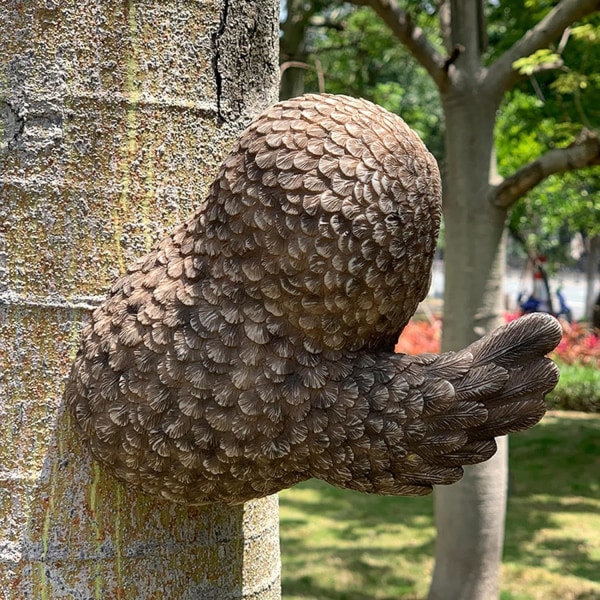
(578, 345)
(419, 337)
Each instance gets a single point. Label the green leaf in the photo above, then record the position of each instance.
(530, 64)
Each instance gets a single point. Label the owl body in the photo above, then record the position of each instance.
(250, 350)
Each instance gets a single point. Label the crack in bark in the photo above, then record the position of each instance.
(216, 43)
(32, 127)
(456, 52)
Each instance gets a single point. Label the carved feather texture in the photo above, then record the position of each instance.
(249, 350)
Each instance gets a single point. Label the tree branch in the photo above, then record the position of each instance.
(412, 36)
(445, 19)
(552, 65)
(321, 21)
(583, 152)
(502, 76)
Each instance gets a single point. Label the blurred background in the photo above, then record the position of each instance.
(541, 177)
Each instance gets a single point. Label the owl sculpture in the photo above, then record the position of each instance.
(252, 348)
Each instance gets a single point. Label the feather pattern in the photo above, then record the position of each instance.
(248, 350)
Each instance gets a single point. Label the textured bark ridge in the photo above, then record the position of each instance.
(251, 349)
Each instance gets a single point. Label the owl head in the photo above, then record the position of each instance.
(328, 209)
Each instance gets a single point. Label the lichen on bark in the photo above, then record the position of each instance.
(110, 132)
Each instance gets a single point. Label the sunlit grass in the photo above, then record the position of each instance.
(341, 545)
(577, 389)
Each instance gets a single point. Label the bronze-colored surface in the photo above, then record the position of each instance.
(251, 349)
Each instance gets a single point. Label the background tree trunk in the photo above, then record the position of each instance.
(292, 45)
(591, 272)
(114, 117)
(470, 515)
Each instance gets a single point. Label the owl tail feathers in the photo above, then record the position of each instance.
(519, 348)
(509, 376)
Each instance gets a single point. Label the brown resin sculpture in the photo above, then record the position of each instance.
(253, 347)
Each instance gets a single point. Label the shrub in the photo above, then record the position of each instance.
(420, 337)
(578, 358)
(579, 345)
(577, 389)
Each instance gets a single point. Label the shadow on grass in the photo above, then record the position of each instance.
(554, 505)
(347, 545)
(572, 596)
(305, 587)
(370, 574)
(381, 547)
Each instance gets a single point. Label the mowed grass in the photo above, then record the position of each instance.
(342, 545)
(577, 389)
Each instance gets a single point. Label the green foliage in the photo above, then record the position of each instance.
(361, 57)
(578, 389)
(530, 64)
(562, 204)
(587, 33)
(342, 545)
(548, 110)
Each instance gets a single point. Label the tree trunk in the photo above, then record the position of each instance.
(113, 118)
(292, 46)
(591, 271)
(470, 515)
(469, 519)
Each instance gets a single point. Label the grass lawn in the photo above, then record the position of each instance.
(342, 545)
(577, 389)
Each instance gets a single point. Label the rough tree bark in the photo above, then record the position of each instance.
(470, 514)
(113, 118)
